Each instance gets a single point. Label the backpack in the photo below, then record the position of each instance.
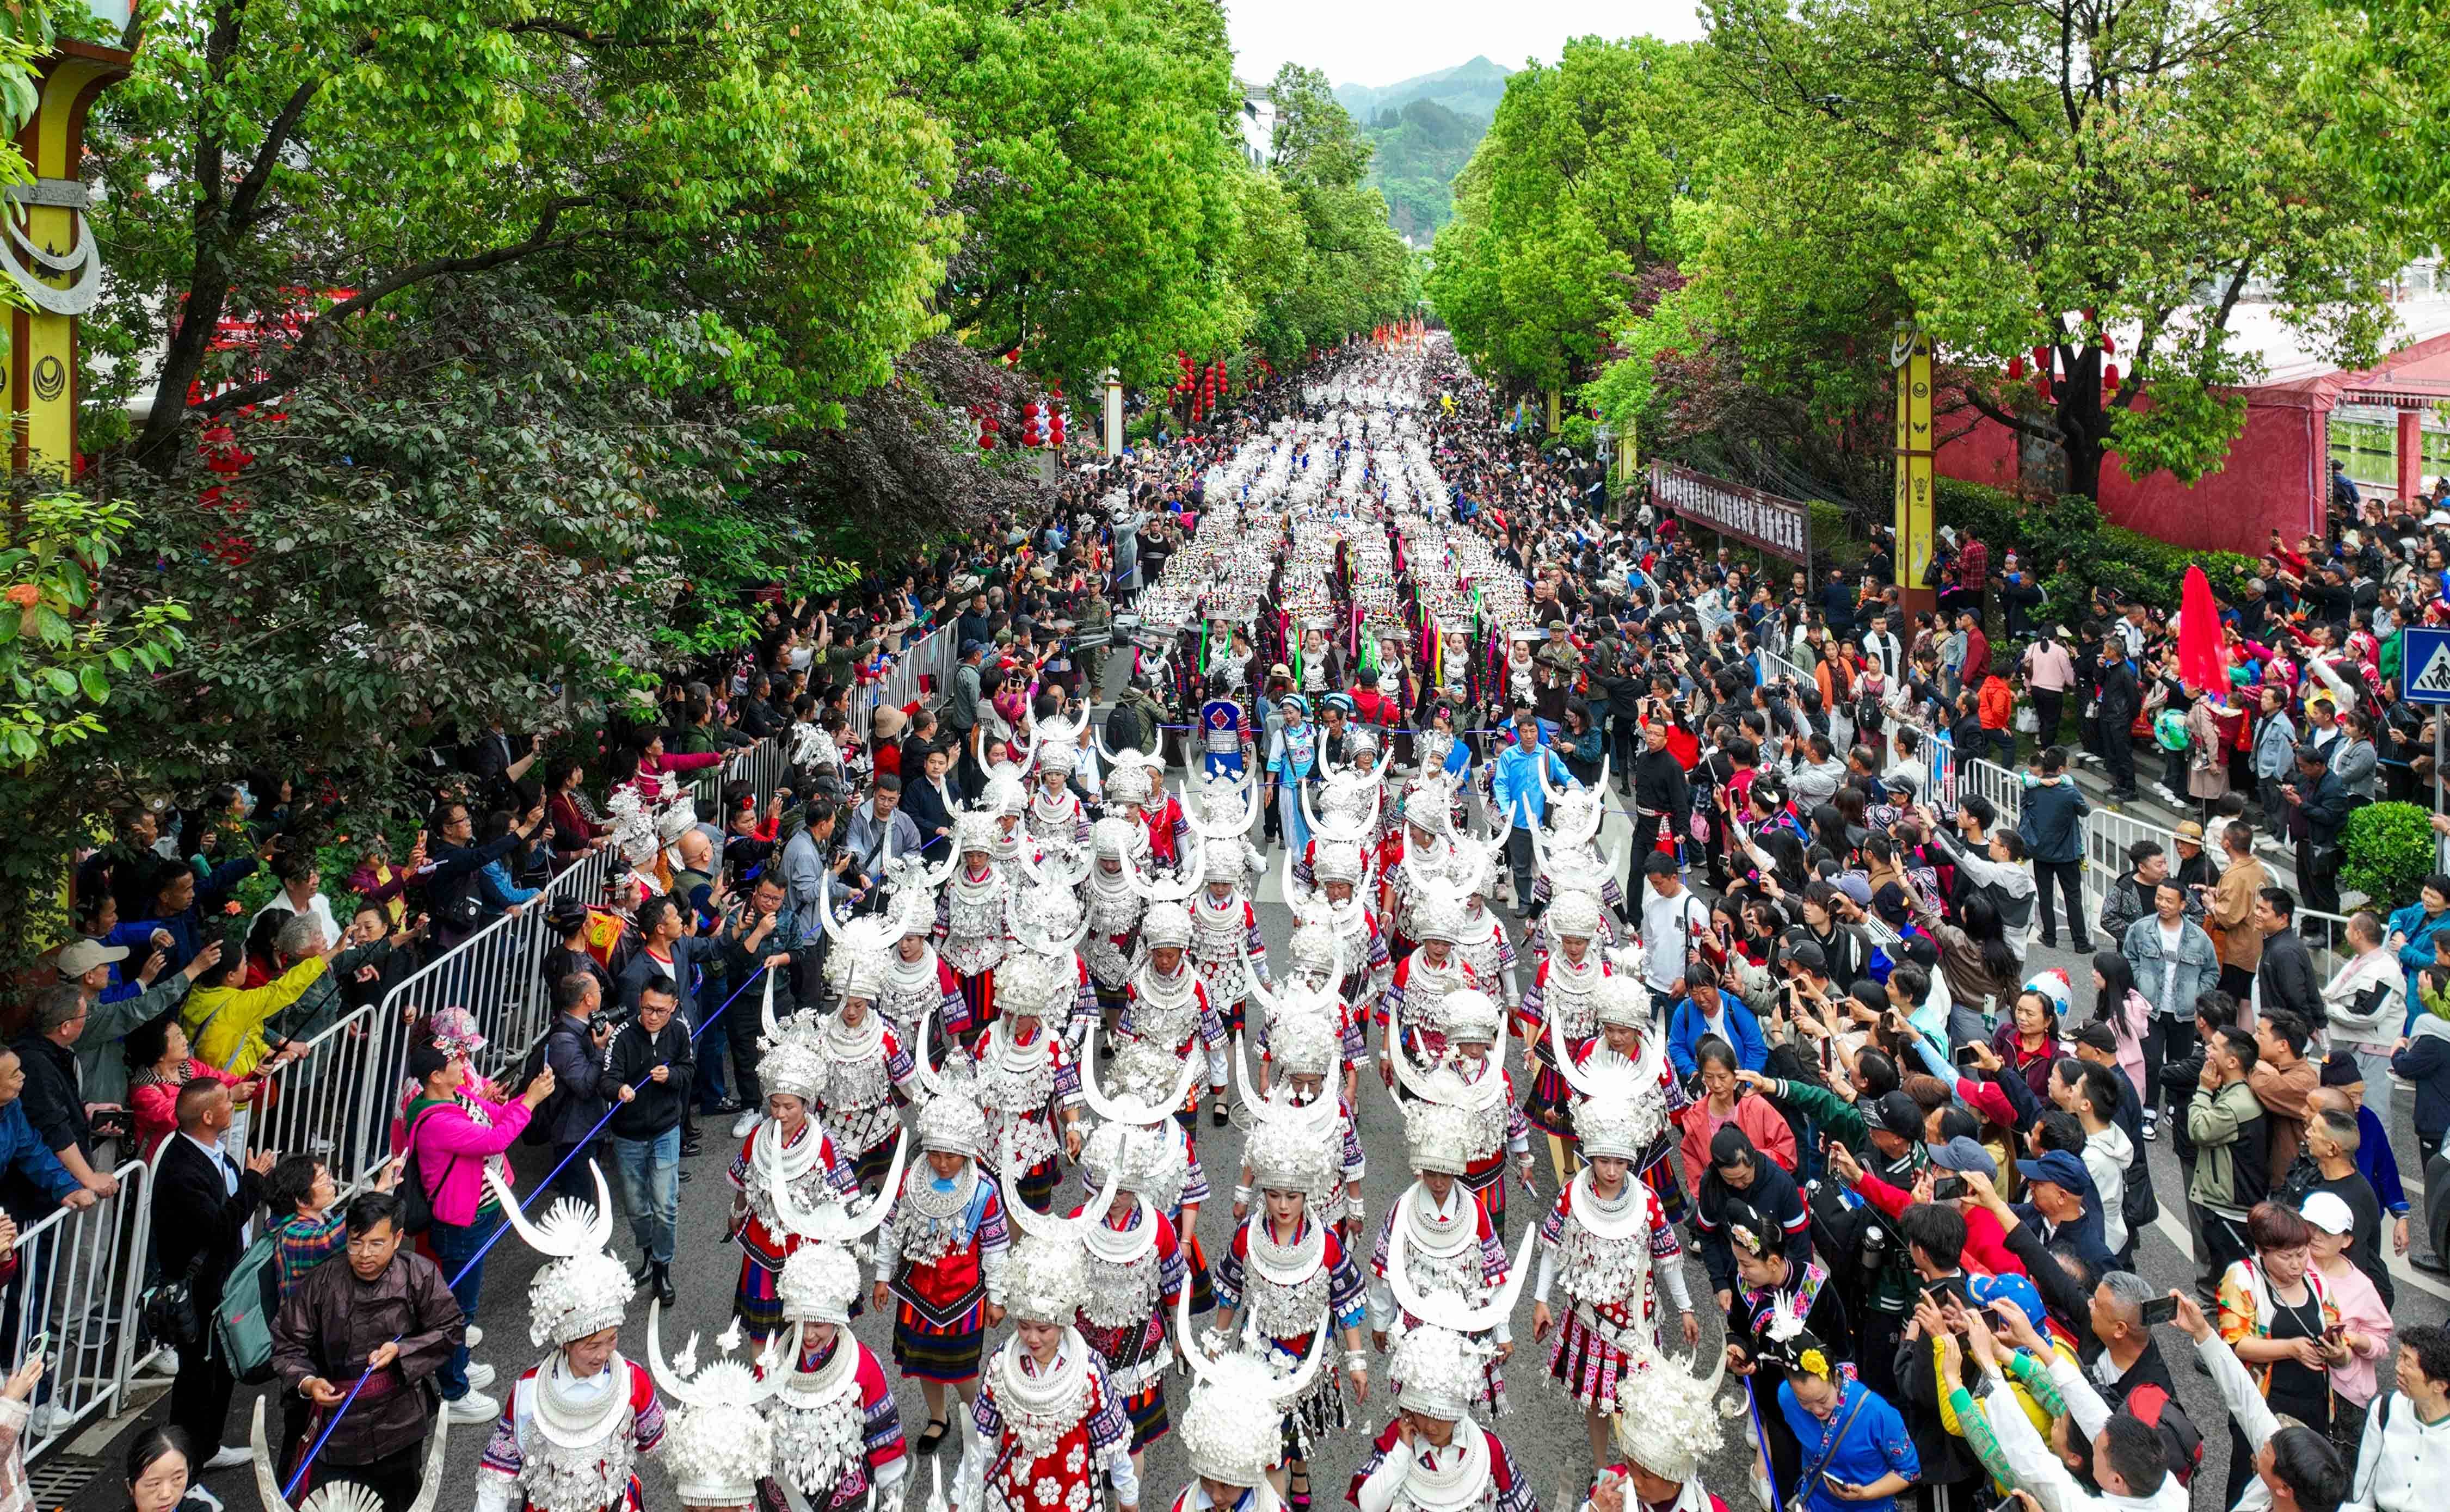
(2182, 1442)
(250, 1299)
(416, 1199)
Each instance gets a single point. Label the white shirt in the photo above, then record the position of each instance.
(1669, 925)
(2170, 937)
(2038, 1468)
(2399, 1458)
(228, 1169)
(318, 905)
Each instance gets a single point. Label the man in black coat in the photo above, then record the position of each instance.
(203, 1205)
(2117, 702)
(2285, 978)
(2318, 805)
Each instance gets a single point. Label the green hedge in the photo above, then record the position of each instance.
(2387, 853)
(2068, 529)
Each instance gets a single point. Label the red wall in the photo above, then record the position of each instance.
(2272, 479)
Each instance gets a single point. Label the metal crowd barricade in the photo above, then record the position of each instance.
(2002, 788)
(81, 1273)
(80, 1277)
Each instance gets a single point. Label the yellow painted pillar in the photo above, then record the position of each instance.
(51, 258)
(1910, 355)
(1553, 412)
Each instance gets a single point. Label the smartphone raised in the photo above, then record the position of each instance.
(2158, 1310)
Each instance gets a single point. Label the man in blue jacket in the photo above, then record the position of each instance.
(2051, 825)
(1706, 1013)
(1515, 783)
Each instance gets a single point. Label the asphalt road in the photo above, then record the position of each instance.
(1544, 1431)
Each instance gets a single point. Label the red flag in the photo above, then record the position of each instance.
(2200, 664)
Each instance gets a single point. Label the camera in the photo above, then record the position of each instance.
(607, 1019)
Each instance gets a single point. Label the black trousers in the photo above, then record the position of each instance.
(2318, 880)
(200, 1396)
(2119, 754)
(2050, 708)
(1519, 860)
(2067, 876)
(396, 1477)
(2166, 1038)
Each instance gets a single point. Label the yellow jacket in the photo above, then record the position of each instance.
(226, 1024)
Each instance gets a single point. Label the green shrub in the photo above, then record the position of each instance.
(2069, 530)
(2388, 853)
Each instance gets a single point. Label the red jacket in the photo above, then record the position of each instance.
(1986, 1243)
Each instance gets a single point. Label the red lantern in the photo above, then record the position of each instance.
(2106, 344)
(2015, 369)
(2108, 378)
(2042, 386)
(988, 433)
(1054, 431)
(2041, 359)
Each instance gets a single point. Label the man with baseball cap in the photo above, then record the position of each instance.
(2065, 1207)
(86, 963)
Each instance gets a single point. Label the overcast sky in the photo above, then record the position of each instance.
(1382, 42)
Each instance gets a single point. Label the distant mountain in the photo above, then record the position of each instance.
(1425, 131)
(1470, 89)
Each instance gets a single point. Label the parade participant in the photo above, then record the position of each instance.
(916, 985)
(1115, 908)
(1565, 987)
(1047, 1418)
(1135, 1264)
(1235, 1443)
(576, 1422)
(1445, 1239)
(1413, 851)
(865, 1062)
(1434, 1457)
(1481, 939)
(717, 1441)
(1471, 1074)
(1289, 1270)
(1142, 1082)
(970, 920)
(1055, 814)
(1226, 944)
(1567, 853)
(1024, 1079)
(1136, 793)
(1408, 1014)
(1624, 1041)
(1167, 1002)
(789, 1143)
(1306, 1052)
(1049, 922)
(1607, 1239)
(1370, 971)
(1313, 983)
(1225, 745)
(1292, 763)
(836, 1436)
(944, 1249)
(1663, 1435)
(1785, 1317)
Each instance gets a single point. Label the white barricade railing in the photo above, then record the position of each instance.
(318, 1102)
(80, 1278)
(2003, 789)
(82, 1273)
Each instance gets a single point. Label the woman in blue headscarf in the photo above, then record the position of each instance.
(1292, 756)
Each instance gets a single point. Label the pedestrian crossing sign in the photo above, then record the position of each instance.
(2424, 665)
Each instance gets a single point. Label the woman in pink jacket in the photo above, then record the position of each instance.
(1723, 1101)
(646, 768)
(453, 1135)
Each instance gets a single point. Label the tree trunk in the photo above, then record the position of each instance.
(2083, 424)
